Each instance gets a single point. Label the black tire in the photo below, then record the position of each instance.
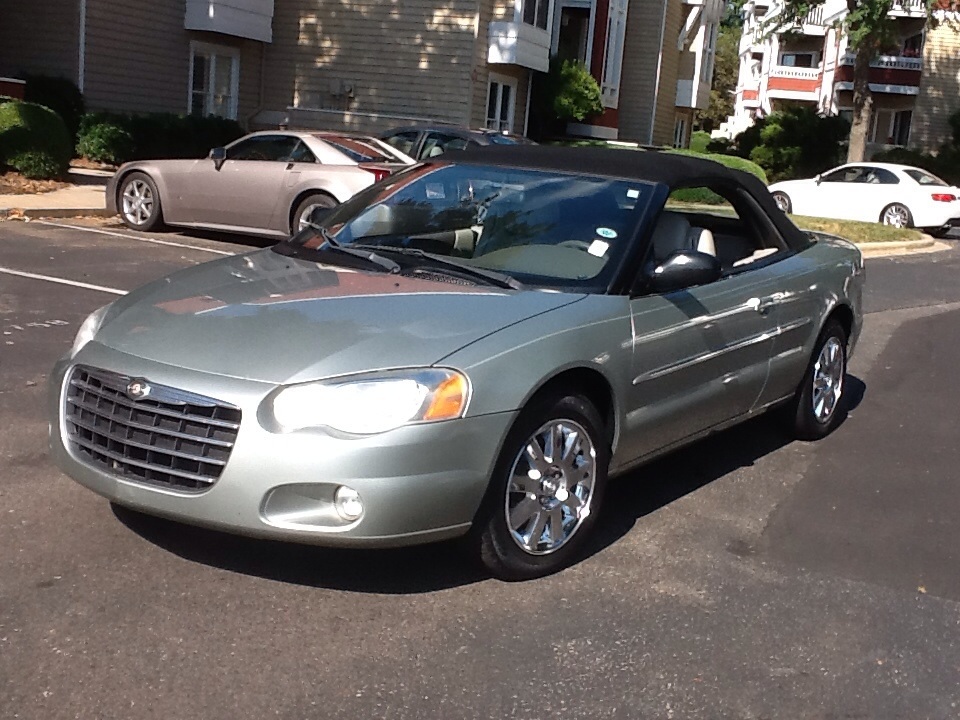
(492, 539)
(305, 206)
(138, 202)
(897, 209)
(783, 201)
(807, 423)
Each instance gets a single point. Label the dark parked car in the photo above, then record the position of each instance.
(427, 141)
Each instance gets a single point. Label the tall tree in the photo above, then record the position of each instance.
(725, 76)
(869, 28)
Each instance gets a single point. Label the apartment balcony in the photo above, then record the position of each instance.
(750, 95)
(896, 74)
(691, 93)
(794, 83)
(518, 43)
(909, 8)
(251, 19)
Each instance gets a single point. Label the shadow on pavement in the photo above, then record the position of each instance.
(445, 565)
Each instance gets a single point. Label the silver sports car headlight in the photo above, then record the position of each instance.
(374, 403)
(88, 329)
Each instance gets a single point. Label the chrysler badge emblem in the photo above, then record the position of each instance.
(138, 389)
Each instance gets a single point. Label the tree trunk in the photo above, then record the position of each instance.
(862, 106)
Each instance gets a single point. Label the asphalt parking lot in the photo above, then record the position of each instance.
(744, 577)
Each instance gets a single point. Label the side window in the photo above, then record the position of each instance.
(438, 143)
(264, 148)
(302, 154)
(880, 176)
(719, 221)
(405, 142)
(845, 175)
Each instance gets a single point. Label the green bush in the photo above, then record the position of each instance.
(700, 141)
(955, 128)
(105, 142)
(34, 140)
(575, 92)
(154, 136)
(703, 196)
(794, 143)
(58, 94)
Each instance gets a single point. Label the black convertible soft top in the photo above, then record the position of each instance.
(670, 169)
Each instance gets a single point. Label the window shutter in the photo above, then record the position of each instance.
(613, 53)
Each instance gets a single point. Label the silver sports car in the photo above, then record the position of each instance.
(265, 183)
(471, 347)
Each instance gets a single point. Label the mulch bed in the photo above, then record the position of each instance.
(13, 183)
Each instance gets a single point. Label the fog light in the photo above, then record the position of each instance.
(348, 503)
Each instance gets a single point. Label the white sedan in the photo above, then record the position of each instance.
(897, 195)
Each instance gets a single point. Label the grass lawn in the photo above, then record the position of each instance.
(860, 232)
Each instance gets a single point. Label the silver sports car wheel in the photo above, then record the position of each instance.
(828, 373)
(782, 201)
(301, 216)
(896, 215)
(551, 487)
(139, 202)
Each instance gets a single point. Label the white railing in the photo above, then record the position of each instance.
(799, 73)
(890, 62)
(910, 7)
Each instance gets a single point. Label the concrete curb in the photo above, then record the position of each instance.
(900, 247)
(34, 213)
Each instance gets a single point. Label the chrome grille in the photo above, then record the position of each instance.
(170, 438)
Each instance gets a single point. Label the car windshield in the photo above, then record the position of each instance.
(925, 178)
(358, 149)
(543, 228)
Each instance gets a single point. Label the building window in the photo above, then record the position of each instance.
(709, 53)
(214, 80)
(901, 127)
(680, 131)
(613, 53)
(501, 102)
(803, 59)
(535, 13)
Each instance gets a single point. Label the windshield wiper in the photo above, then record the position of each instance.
(490, 276)
(366, 254)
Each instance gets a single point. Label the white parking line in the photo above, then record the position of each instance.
(134, 237)
(62, 281)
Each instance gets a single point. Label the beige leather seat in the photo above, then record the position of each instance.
(704, 241)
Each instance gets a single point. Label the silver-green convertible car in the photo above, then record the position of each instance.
(471, 347)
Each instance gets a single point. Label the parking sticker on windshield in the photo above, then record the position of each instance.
(435, 191)
(598, 248)
(633, 194)
(606, 233)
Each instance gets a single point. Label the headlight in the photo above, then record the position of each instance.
(88, 329)
(375, 403)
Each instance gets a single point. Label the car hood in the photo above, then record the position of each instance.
(277, 319)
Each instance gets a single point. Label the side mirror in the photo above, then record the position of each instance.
(682, 270)
(218, 155)
(818, 179)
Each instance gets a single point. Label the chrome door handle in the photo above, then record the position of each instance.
(765, 304)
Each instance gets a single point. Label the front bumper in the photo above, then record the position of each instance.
(418, 483)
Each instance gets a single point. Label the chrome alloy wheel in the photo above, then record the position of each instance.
(896, 216)
(137, 202)
(551, 487)
(828, 373)
(782, 201)
(304, 221)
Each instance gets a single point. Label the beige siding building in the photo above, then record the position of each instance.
(939, 88)
(371, 64)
